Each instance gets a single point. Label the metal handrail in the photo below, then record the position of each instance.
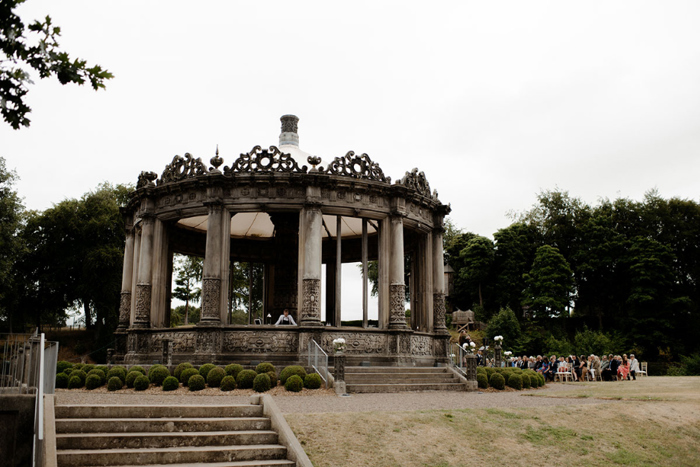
(458, 358)
(318, 360)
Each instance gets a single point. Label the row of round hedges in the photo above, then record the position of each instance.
(515, 378)
(229, 378)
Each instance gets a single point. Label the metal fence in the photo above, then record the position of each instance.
(318, 360)
(29, 367)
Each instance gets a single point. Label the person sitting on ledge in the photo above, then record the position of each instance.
(285, 319)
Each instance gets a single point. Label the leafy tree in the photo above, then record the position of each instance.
(476, 260)
(549, 283)
(11, 215)
(515, 248)
(35, 47)
(505, 323)
(241, 297)
(189, 277)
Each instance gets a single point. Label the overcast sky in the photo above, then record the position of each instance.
(494, 101)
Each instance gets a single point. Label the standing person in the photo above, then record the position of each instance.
(634, 367)
(285, 319)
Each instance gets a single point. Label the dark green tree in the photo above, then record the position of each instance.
(504, 323)
(515, 248)
(476, 261)
(188, 282)
(35, 48)
(549, 284)
(11, 215)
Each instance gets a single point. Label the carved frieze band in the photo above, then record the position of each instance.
(397, 297)
(142, 315)
(125, 309)
(211, 299)
(311, 301)
(439, 310)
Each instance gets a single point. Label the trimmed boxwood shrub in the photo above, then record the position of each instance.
(88, 368)
(497, 381)
(233, 369)
(100, 373)
(93, 381)
(245, 379)
(75, 382)
(115, 383)
(265, 367)
(541, 380)
(80, 374)
(292, 370)
(228, 383)
(526, 381)
(273, 378)
(138, 368)
(103, 368)
(205, 369)
(61, 380)
(261, 383)
(187, 374)
(117, 371)
(294, 383)
(313, 381)
(515, 381)
(171, 383)
(482, 380)
(157, 374)
(142, 382)
(78, 366)
(131, 377)
(489, 371)
(196, 383)
(63, 366)
(215, 376)
(180, 368)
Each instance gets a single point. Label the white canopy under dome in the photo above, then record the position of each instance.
(259, 225)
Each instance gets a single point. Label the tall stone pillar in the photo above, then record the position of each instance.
(142, 317)
(211, 275)
(160, 275)
(397, 287)
(438, 283)
(127, 278)
(135, 272)
(311, 282)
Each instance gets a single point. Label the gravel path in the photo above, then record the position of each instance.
(325, 401)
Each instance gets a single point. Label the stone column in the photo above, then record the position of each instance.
(135, 272)
(438, 283)
(127, 278)
(142, 317)
(160, 275)
(397, 287)
(211, 275)
(311, 282)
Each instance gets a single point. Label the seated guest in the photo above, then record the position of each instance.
(634, 367)
(605, 368)
(582, 368)
(614, 364)
(552, 370)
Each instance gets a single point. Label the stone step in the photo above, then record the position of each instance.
(156, 411)
(395, 369)
(142, 440)
(398, 379)
(173, 455)
(170, 425)
(383, 388)
(256, 463)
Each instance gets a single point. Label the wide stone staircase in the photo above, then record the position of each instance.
(213, 436)
(363, 379)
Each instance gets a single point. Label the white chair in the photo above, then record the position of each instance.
(642, 369)
(563, 373)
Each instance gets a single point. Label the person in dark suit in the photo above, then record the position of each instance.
(614, 363)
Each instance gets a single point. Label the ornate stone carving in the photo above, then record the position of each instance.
(357, 343)
(289, 123)
(124, 310)
(181, 168)
(146, 179)
(397, 297)
(264, 161)
(211, 300)
(415, 180)
(261, 341)
(142, 315)
(311, 301)
(356, 166)
(404, 345)
(208, 342)
(471, 367)
(131, 343)
(439, 310)
(183, 342)
(421, 345)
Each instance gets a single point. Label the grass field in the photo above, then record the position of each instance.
(653, 421)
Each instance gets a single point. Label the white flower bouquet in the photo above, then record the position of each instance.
(339, 344)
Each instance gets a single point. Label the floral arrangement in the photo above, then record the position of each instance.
(498, 338)
(469, 347)
(339, 344)
(507, 353)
